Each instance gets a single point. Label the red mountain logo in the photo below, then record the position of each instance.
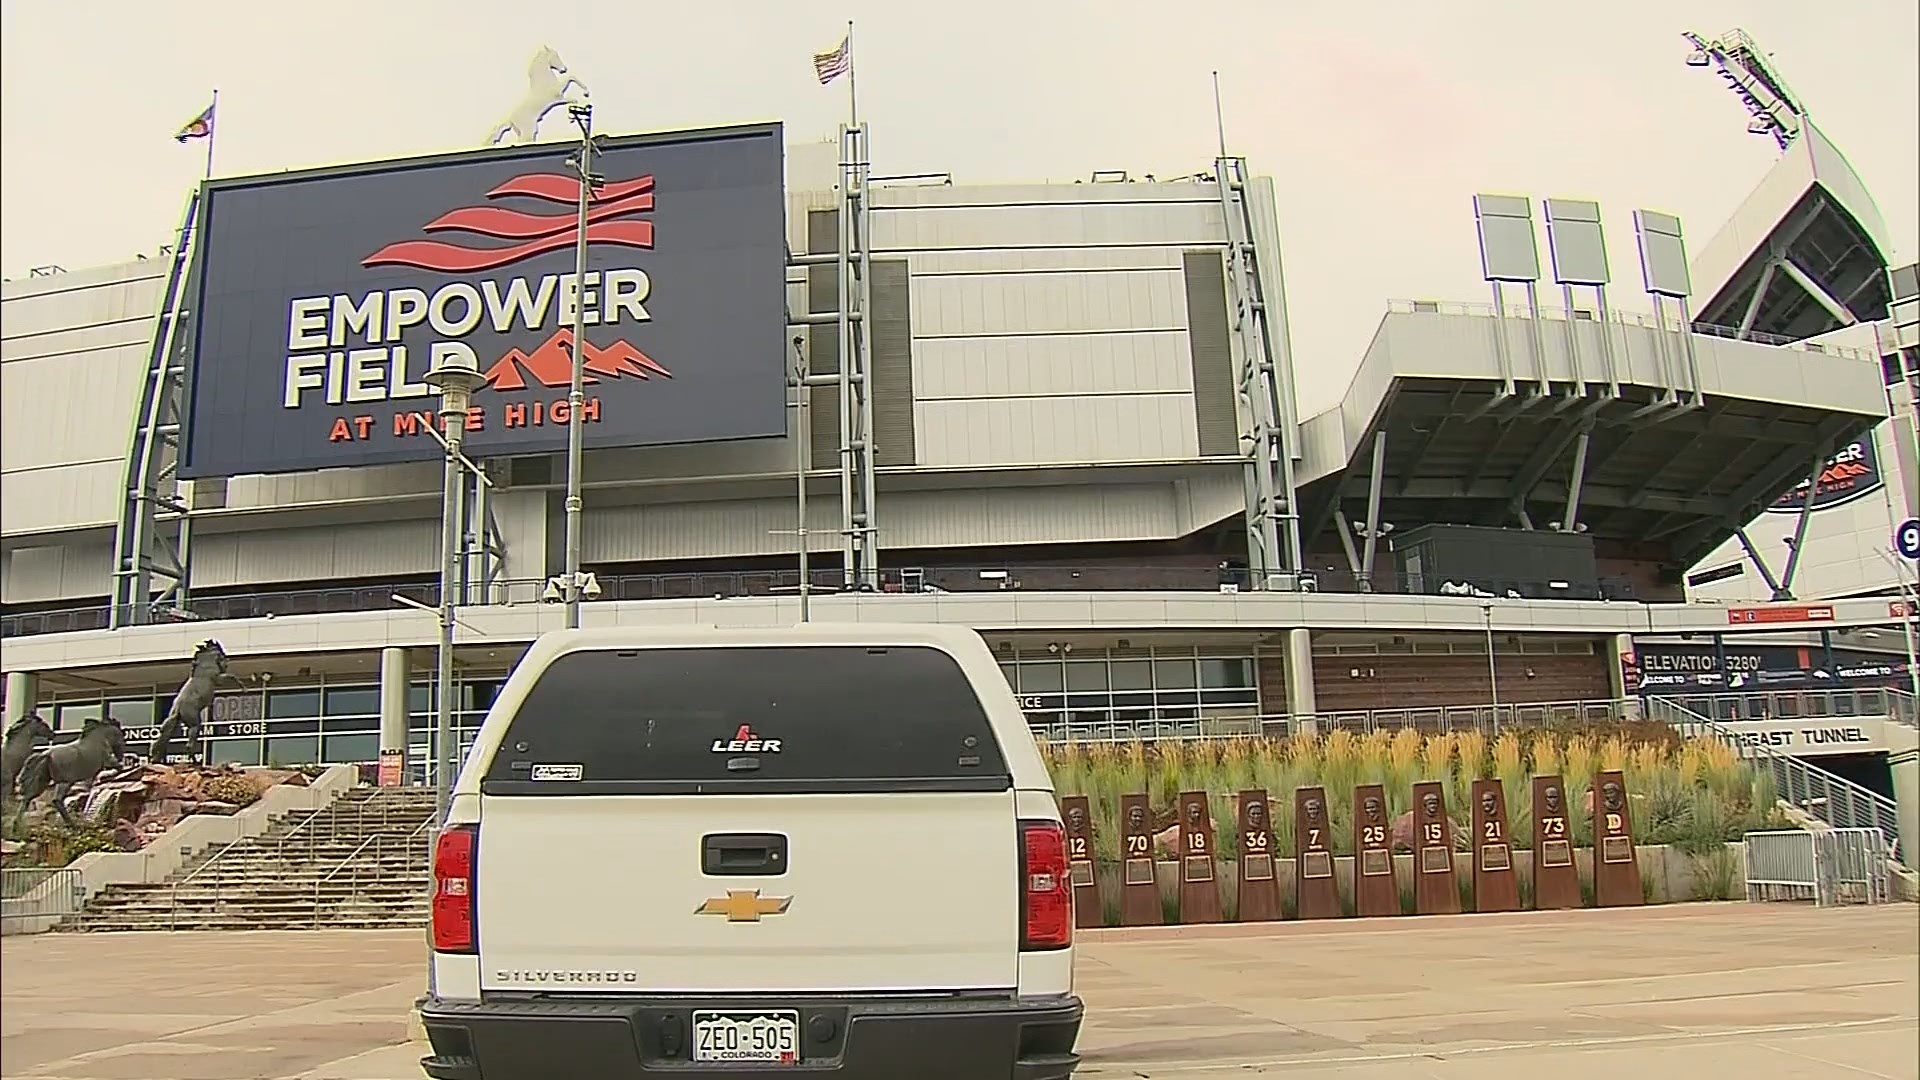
(551, 364)
(535, 234)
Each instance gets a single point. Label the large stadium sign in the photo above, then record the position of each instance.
(1847, 475)
(324, 297)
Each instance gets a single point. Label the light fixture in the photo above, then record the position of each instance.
(1698, 58)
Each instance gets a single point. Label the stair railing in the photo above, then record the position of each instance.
(216, 859)
(320, 883)
(1831, 799)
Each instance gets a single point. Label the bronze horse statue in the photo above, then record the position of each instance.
(190, 704)
(101, 744)
(27, 734)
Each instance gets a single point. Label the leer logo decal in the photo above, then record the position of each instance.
(745, 741)
(744, 905)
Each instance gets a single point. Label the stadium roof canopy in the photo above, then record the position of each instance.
(1665, 468)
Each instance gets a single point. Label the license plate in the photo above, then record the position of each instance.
(747, 1036)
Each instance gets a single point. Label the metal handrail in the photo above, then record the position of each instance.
(173, 894)
(1830, 799)
(1736, 705)
(1485, 717)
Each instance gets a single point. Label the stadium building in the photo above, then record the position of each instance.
(1062, 414)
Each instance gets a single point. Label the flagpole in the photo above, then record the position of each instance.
(853, 104)
(213, 129)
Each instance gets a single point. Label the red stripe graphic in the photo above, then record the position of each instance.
(566, 189)
(541, 233)
(519, 225)
(452, 259)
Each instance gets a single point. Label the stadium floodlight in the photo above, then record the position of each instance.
(1698, 58)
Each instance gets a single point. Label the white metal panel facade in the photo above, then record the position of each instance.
(73, 348)
(1049, 323)
(942, 519)
(33, 575)
(319, 554)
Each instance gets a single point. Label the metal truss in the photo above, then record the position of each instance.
(145, 552)
(1266, 393)
(860, 546)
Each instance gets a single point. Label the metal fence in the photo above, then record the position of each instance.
(1003, 577)
(1431, 719)
(1799, 704)
(1833, 800)
(34, 898)
(1827, 866)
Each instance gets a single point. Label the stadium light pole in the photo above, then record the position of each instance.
(582, 164)
(1493, 672)
(455, 371)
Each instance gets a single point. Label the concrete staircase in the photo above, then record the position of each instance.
(360, 863)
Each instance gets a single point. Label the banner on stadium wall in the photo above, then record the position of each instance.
(1849, 474)
(1697, 668)
(321, 299)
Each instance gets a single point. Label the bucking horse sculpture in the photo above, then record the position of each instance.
(27, 734)
(190, 705)
(101, 743)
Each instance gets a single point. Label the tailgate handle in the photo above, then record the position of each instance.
(743, 854)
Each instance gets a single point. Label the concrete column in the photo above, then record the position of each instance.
(396, 672)
(23, 693)
(1299, 666)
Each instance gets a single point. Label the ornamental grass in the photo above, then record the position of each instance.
(1693, 794)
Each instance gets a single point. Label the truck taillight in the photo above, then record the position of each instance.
(453, 889)
(1046, 895)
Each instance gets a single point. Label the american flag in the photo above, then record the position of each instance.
(831, 65)
(200, 127)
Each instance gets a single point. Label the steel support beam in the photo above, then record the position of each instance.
(1760, 564)
(1759, 294)
(1377, 471)
(1346, 542)
(1800, 529)
(1575, 477)
(1820, 296)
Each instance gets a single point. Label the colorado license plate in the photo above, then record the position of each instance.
(747, 1036)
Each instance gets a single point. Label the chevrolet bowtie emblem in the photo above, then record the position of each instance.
(744, 906)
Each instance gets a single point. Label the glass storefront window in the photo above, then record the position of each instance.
(233, 752)
(1046, 677)
(351, 748)
(72, 717)
(1132, 674)
(1217, 673)
(1174, 674)
(293, 703)
(293, 750)
(1087, 676)
(140, 712)
(353, 701)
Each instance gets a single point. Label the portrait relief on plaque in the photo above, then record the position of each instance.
(1556, 846)
(1436, 847)
(1494, 851)
(1376, 854)
(1316, 861)
(1079, 842)
(1256, 842)
(1616, 845)
(1198, 862)
(1137, 863)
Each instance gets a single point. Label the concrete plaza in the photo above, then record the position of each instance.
(1761, 992)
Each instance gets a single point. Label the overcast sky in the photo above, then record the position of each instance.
(1379, 120)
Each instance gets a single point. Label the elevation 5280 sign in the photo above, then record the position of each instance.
(324, 297)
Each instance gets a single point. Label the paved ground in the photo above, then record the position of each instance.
(1762, 993)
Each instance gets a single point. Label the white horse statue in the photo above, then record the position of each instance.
(549, 86)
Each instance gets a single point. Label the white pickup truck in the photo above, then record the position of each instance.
(827, 850)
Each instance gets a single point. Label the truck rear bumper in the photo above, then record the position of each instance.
(842, 1038)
